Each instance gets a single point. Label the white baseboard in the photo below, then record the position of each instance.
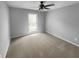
(21, 35)
(64, 39)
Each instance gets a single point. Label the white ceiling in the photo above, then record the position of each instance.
(35, 4)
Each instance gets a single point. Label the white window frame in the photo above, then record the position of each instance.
(30, 24)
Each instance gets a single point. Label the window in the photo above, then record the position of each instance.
(32, 23)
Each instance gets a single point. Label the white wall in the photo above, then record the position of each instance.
(64, 23)
(4, 29)
(19, 21)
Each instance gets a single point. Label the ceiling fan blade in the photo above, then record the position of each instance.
(49, 5)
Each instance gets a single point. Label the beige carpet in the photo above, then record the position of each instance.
(41, 45)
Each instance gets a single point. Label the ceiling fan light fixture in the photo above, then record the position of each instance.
(42, 10)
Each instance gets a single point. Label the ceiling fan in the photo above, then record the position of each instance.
(43, 6)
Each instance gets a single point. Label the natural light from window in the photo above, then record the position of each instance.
(32, 23)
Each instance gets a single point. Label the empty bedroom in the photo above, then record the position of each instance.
(39, 29)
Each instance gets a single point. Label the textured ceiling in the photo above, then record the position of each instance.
(35, 4)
